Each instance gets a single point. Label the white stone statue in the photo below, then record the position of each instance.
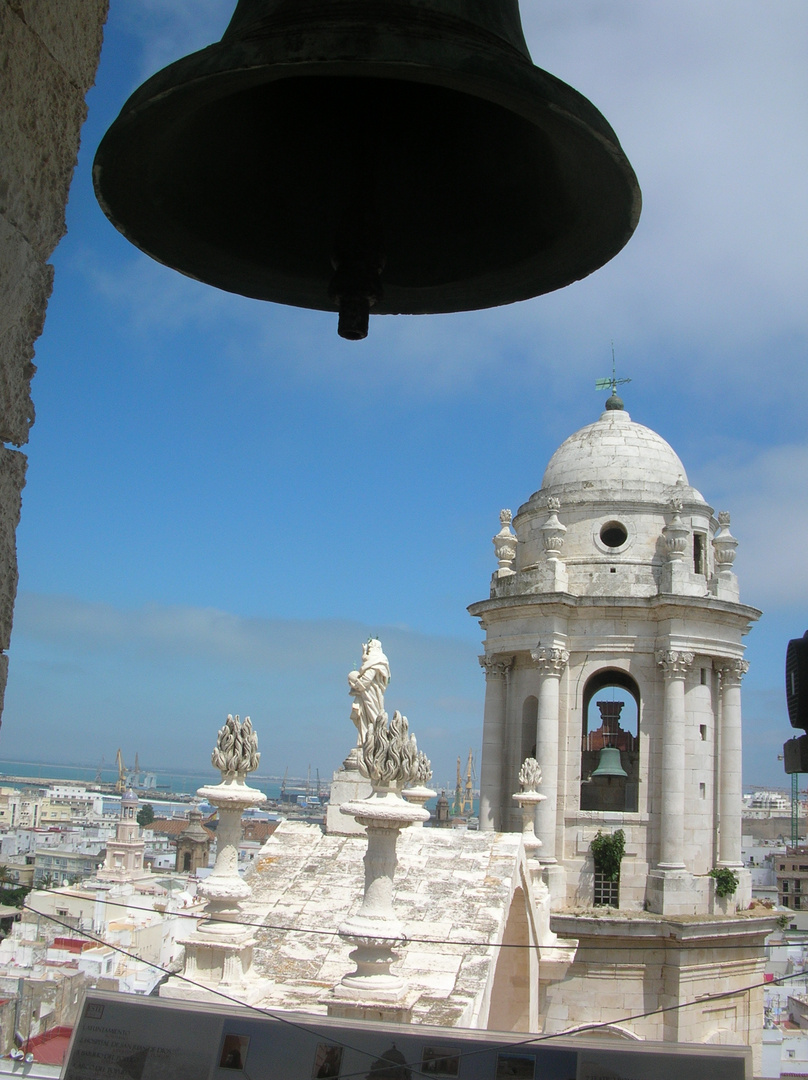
(367, 687)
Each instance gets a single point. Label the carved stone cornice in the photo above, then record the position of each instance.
(550, 661)
(674, 662)
(496, 666)
(730, 672)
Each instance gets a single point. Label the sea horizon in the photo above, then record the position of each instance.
(171, 781)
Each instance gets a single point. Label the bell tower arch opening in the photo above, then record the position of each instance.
(610, 744)
(530, 717)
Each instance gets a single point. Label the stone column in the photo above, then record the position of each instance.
(729, 766)
(496, 699)
(551, 662)
(674, 666)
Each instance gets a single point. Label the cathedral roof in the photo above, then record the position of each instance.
(615, 455)
(454, 891)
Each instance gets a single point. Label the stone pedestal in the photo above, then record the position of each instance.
(347, 785)
(375, 930)
(219, 953)
(554, 877)
(383, 1011)
(676, 892)
(419, 796)
(528, 802)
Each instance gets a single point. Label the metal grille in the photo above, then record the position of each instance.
(607, 893)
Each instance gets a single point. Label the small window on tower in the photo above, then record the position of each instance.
(703, 732)
(699, 553)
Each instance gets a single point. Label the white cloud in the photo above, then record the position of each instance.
(766, 492)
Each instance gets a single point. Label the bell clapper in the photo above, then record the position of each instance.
(356, 284)
(356, 287)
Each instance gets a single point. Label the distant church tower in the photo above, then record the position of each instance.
(193, 844)
(124, 861)
(614, 624)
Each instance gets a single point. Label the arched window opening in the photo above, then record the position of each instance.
(186, 860)
(530, 719)
(610, 745)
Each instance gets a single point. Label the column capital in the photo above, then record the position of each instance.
(730, 672)
(551, 661)
(496, 665)
(674, 662)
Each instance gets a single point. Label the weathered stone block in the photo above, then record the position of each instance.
(39, 131)
(3, 679)
(71, 31)
(25, 286)
(12, 481)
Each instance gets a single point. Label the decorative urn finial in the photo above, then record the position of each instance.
(505, 545)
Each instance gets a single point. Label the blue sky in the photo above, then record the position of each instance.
(224, 499)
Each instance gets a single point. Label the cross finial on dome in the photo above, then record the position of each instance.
(614, 402)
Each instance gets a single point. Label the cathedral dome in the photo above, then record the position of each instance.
(615, 456)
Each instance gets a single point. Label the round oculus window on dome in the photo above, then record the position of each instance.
(613, 534)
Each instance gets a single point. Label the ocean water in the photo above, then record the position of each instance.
(166, 783)
(174, 782)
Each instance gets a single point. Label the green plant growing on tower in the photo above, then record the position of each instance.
(725, 881)
(608, 850)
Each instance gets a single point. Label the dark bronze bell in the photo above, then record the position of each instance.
(400, 156)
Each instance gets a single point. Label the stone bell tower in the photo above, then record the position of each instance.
(614, 656)
(613, 652)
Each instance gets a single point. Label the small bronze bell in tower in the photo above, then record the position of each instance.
(399, 156)
(609, 763)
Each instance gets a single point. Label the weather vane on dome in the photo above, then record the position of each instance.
(613, 383)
